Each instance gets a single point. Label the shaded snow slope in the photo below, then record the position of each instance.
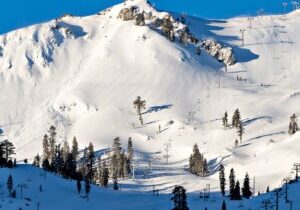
(83, 74)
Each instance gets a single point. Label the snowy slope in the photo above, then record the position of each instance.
(57, 193)
(83, 74)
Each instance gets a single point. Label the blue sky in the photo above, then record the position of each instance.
(20, 13)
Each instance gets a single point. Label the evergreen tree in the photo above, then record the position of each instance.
(52, 145)
(90, 163)
(46, 148)
(46, 165)
(246, 190)
(103, 174)
(130, 149)
(268, 189)
(8, 149)
(179, 198)
(9, 184)
(197, 164)
(116, 159)
(65, 151)
(75, 149)
(225, 120)
(241, 131)
(70, 167)
(223, 205)
(237, 191)
(37, 160)
(293, 126)
(232, 184)
(236, 119)
(222, 179)
(139, 105)
(58, 162)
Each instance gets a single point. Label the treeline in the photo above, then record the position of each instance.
(71, 163)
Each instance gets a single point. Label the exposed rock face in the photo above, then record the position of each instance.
(127, 14)
(172, 28)
(223, 54)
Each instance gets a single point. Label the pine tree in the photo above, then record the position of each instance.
(104, 174)
(232, 184)
(130, 149)
(222, 179)
(9, 184)
(75, 150)
(225, 120)
(236, 119)
(268, 189)
(293, 126)
(58, 164)
(246, 190)
(237, 191)
(70, 167)
(179, 198)
(46, 148)
(223, 205)
(241, 131)
(65, 151)
(8, 149)
(52, 145)
(116, 159)
(37, 160)
(198, 164)
(46, 165)
(90, 169)
(139, 105)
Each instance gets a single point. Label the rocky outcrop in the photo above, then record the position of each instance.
(223, 54)
(173, 29)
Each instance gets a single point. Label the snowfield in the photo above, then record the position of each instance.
(82, 74)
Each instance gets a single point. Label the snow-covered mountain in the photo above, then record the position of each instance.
(82, 75)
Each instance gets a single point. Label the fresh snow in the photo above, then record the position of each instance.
(82, 75)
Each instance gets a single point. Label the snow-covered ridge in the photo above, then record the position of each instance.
(173, 28)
